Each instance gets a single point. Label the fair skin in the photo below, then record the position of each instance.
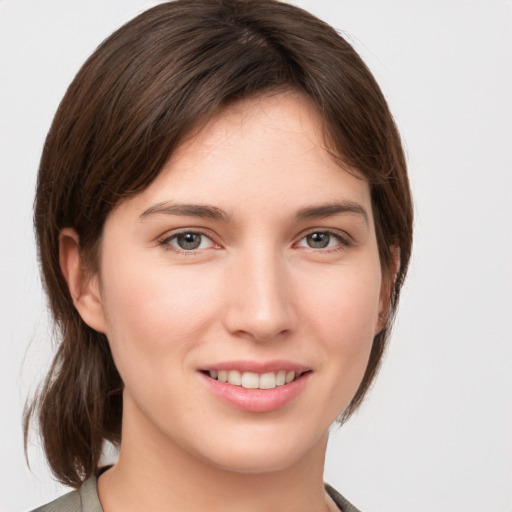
(274, 269)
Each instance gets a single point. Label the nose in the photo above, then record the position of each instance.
(260, 297)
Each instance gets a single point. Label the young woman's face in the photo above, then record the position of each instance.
(252, 257)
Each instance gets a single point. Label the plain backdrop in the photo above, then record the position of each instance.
(435, 434)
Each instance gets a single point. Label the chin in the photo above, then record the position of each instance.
(273, 453)
(257, 463)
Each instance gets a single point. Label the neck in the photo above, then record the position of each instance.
(155, 473)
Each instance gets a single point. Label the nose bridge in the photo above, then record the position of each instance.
(260, 304)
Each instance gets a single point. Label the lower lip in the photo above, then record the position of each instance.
(256, 400)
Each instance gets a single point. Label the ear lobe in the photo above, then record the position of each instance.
(83, 286)
(388, 282)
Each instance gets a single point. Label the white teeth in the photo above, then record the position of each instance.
(268, 380)
(280, 377)
(251, 380)
(290, 376)
(235, 377)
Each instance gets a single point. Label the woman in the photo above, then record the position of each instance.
(224, 224)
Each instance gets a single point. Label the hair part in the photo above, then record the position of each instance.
(131, 104)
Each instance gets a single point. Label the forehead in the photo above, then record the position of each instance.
(260, 124)
(257, 154)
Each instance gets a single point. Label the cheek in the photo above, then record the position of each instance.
(345, 306)
(343, 317)
(153, 314)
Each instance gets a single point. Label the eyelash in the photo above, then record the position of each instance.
(343, 241)
(165, 241)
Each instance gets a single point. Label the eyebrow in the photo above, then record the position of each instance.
(189, 210)
(330, 209)
(213, 212)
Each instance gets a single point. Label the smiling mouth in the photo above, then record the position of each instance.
(252, 380)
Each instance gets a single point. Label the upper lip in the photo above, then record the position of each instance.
(257, 366)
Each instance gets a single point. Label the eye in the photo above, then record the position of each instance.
(188, 241)
(322, 240)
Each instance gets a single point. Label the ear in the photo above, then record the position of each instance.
(388, 282)
(83, 286)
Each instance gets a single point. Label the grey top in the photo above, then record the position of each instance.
(86, 500)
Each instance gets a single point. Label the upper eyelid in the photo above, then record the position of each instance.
(176, 232)
(340, 234)
(336, 232)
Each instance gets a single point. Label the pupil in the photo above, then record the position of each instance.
(189, 241)
(318, 240)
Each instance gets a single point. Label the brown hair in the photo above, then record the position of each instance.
(128, 107)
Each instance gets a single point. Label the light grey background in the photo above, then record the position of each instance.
(435, 435)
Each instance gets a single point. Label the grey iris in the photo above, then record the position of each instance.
(189, 241)
(318, 240)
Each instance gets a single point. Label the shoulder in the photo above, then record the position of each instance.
(343, 504)
(84, 500)
(70, 502)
